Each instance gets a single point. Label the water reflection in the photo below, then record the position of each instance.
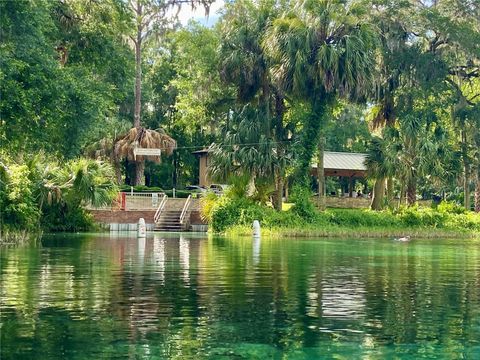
(189, 297)
(256, 243)
(159, 257)
(184, 248)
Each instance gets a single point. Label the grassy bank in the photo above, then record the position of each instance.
(448, 220)
(350, 232)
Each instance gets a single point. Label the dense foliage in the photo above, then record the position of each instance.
(270, 87)
(42, 194)
(227, 213)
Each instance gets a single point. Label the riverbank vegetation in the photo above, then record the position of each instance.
(267, 87)
(235, 215)
(40, 194)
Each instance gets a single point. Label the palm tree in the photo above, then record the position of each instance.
(421, 147)
(247, 150)
(142, 138)
(322, 50)
(380, 166)
(245, 64)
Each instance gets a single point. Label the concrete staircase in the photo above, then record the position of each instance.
(169, 221)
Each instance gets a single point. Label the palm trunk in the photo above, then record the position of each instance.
(390, 186)
(477, 190)
(378, 194)
(285, 185)
(466, 186)
(118, 172)
(279, 136)
(139, 165)
(321, 175)
(278, 204)
(411, 191)
(138, 79)
(466, 171)
(139, 172)
(401, 198)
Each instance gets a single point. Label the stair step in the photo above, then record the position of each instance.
(163, 228)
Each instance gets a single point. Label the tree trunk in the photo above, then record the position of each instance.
(118, 172)
(278, 204)
(311, 136)
(390, 187)
(285, 184)
(139, 173)
(139, 165)
(280, 137)
(321, 201)
(138, 79)
(401, 197)
(378, 193)
(477, 190)
(466, 186)
(466, 171)
(411, 191)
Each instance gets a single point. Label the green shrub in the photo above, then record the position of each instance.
(19, 207)
(469, 221)
(62, 217)
(418, 217)
(450, 207)
(207, 205)
(285, 219)
(357, 218)
(224, 213)
(303, 205)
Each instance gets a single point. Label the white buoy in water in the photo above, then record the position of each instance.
(256, 228)
(142, 228)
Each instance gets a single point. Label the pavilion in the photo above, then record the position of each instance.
(343, 164)
(349, 165)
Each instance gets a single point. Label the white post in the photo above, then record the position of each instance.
(174, 193)
(256, 229)
(131, 190)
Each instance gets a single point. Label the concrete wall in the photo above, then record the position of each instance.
(347, 202)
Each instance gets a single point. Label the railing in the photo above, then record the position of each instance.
(160, 208)
(185, 209)
(141, 201)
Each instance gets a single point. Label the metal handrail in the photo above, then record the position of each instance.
(160, 208)
(185, 208)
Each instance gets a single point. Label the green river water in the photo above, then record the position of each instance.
(99, 296)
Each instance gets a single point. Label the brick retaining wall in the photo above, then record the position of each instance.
(122, 217)
(131, 217)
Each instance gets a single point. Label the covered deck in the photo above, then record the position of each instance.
(343, 165)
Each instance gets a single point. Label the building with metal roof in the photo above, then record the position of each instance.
(343, 164)
(351, 165)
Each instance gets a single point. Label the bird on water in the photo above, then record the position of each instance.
(403, 238)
